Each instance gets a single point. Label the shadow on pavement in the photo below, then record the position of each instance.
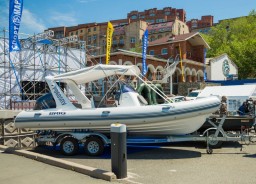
(133, 152)
(250, 156)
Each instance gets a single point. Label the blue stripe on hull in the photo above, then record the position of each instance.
(117, 117)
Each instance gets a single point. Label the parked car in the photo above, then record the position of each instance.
(193, 94)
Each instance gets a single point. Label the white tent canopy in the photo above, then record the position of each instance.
(229, 91)
(96, 72)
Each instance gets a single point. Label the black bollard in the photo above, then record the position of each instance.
(118, 150)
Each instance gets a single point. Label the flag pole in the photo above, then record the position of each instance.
(182, 70)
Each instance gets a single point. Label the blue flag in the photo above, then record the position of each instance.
(15, 13)
(144, 53)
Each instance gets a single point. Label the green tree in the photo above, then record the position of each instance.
(237, 38)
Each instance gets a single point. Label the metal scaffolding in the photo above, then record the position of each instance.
(22, 74)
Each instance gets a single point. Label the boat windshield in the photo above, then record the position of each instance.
(193, 94)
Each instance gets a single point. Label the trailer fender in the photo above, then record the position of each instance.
(101, 136)
(60, 137)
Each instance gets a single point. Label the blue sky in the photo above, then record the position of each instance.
(42, 14)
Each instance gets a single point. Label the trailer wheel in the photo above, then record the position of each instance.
(214, 143)
(209, 151)
(69, 146)
(94, 146)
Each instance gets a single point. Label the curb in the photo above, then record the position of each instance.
(90, 171)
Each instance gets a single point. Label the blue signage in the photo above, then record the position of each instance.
(15, 13)
(144, 53)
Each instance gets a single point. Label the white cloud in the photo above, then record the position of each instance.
(63, 19)
(31, 23)
(86, 1)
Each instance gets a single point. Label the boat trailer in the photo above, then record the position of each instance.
(215, 136)
(94, 142)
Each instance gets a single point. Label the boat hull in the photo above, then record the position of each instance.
(165, 119)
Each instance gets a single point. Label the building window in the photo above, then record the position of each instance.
(94, 29)
(164, 51)
(160, 20)
(134, 17)
(81, 31)
(159, 36)
(121, 41)
(162, 30)
(151, 14)
(142, 16)
(94, 37)
(89, 29)
(167, 13)
(158, 75)
(150, 21)
(152, 38)
(89, 38)
(133, 39)
(103, 42)
(114, 42)
(152, 52)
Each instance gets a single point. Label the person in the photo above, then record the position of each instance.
(223, 107)
(243, 109)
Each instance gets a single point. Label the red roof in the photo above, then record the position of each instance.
(159, 26)
(119, 31)
(175, 38)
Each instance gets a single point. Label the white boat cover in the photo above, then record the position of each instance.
(228, 91)
(96, 72)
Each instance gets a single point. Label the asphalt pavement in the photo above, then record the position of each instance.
(20, 170)
(175, 163)
(179, 163)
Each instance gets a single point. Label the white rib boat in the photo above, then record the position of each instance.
(131, 109)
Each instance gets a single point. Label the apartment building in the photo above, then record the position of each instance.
(128, 31)
(201, 25)
(154, 15)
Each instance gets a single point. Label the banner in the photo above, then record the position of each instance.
(15, 13)
(110, 31)
(144, 52)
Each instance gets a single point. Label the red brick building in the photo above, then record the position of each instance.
(201, 25)
(157, 16)
(191, 46)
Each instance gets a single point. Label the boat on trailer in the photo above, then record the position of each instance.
(130, 107)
